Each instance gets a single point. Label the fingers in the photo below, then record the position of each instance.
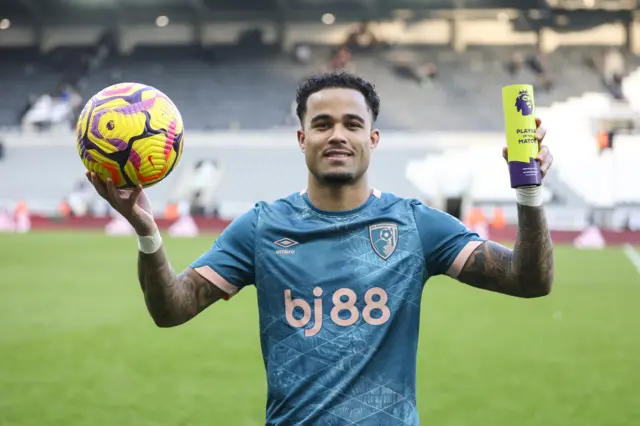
(106, 190)
(124, 198)
(545, 158)
(112, 194)
(544, 155)
(98, 184)
(541, 130)
(112, 190)
(135, 194)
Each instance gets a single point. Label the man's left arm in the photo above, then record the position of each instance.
(525, 271)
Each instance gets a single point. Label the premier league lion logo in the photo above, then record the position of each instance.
(524, 104)
(384, 239)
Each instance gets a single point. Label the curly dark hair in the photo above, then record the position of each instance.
(337, 79)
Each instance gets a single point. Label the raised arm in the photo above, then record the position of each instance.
(526, 271)
(173, 300)
(218, 274)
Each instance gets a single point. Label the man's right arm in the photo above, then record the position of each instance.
(173, 300)
(218, 274)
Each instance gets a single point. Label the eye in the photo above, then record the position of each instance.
(321, 125)
(354, 125)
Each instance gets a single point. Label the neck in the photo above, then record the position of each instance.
(338, 197)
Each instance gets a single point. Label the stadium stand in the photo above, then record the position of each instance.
(252, 88)
(445, 102)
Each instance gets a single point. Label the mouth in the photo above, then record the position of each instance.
(338, 154)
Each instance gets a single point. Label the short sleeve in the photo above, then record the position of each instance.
(443, 238)
(229, 264)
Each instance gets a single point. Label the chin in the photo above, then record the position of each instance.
(337, 178)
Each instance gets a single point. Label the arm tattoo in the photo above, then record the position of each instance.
(525, 271)
(173, 300)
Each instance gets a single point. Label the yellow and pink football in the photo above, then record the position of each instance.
(131, 133)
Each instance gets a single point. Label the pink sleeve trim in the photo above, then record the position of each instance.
(461, 258)
(217, 280)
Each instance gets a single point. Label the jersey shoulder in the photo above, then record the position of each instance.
(427, 218)
(284, 211)
(391, 200)
(283, 206)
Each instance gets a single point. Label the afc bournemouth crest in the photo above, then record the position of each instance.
(384, 239)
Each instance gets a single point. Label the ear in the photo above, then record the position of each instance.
(301, 140)
(375, 139)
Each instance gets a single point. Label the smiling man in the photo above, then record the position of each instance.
(339, 269)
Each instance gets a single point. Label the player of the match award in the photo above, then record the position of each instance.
(520, 129)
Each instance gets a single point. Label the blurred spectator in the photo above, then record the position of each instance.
(361, 39)
(407, 66)
(536, 63)
(31, 100)
(426, 73)
(341, 60)
(614, 69)
(611, 68)
(80, 197)
(515, 64)
(204, 173)
(39, 116)
(48, 110)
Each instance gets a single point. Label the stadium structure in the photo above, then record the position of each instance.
(77, 345)
(232, 68)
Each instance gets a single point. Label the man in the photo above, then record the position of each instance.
(339, 269)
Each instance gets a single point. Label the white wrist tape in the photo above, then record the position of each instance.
(529, 196)
(149, 244)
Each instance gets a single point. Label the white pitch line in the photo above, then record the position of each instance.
(633, 256)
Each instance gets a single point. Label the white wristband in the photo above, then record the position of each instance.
(529, 196)
(150, 243)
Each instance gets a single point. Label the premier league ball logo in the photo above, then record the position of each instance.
(384, 239)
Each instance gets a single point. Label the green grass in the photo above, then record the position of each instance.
(77, 346)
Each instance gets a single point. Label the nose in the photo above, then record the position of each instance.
(338, 136)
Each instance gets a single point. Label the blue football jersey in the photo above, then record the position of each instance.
(339, 299)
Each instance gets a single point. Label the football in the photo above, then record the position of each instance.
(131, 133)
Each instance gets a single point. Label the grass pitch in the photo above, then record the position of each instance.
(77, 346)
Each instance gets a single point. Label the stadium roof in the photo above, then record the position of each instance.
(130, 11)
(90, 10)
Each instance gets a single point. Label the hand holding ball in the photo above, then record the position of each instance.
(130, 133)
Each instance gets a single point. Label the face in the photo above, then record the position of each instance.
(337, 136)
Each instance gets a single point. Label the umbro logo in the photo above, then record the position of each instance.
(286, 244)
